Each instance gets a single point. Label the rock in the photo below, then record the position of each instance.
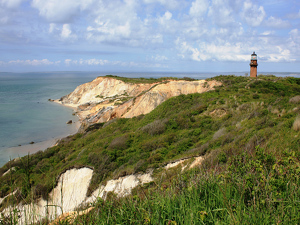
(70, 122)
(31, 143)
(137, 98)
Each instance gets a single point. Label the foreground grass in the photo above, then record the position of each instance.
(268, 193)
(247, 129)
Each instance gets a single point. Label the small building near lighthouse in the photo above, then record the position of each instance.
(253, 65)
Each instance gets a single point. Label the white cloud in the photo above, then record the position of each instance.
(62, 32)
(294, 41)
(9, 11)
(202, 30)
(10, 3)
(34, 62)
(114, 22)
(68, 61)
(253, 14)
(267, 33)
(167, 16)
(96, 62)
(277, 23)
(294, 15)
(199, 8)
(108, 31)
(203, 51)
(159, 58)
(281, 55)
(52, 27)
(66, 33)
(221, 13)
(58, 11)
(170, 4)
(295, 34)
(104, 62)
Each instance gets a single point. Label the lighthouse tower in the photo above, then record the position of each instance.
(253, 65)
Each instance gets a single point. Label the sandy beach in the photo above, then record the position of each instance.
(15, 152)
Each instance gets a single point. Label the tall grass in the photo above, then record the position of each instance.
(204, 200)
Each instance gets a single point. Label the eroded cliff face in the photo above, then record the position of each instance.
(71, 190)
(106, 98)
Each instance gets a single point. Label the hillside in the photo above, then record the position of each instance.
(247, 131)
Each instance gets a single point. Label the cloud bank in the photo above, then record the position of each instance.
(149, 31)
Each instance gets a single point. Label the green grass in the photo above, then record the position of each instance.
(199, 197)
(143, 80)
(245, 130)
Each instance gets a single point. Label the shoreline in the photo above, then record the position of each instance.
(20, 151)
(15, 152)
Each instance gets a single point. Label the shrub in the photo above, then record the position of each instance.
(219, 133)
(119, 142)
(156, 127)
(198, 109)
(140, 166)
(296, 124)
(40, 190)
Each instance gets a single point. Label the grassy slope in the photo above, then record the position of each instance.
(250, 172)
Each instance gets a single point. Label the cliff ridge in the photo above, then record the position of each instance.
(106, 98)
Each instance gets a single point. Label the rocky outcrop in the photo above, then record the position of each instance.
(70, 193)
(71, 190)
(106, 98)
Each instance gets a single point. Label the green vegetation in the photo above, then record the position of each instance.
(247, 129)
(143, 80)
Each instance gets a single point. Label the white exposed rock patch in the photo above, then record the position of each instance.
(2, 199)
(197, 161)
(71, 189)
(70, 193)
(121, 186)
(7, 172)
(174, 164)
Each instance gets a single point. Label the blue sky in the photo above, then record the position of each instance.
(149, 35)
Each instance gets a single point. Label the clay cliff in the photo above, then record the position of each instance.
(106, 98)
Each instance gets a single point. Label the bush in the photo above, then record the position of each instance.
(219, 133)
(119, 143)
(41, 190)
(198, 109)
(156, 127)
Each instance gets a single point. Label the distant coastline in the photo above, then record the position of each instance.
(57, 84)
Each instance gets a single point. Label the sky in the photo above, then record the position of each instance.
(149, 35)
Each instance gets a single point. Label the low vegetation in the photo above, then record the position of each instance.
(142, 80)
(247, 129)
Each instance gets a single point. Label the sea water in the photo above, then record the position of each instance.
(27, 116)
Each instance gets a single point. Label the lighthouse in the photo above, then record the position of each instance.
(253, 65)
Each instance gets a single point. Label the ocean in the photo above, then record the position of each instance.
(27, 116)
